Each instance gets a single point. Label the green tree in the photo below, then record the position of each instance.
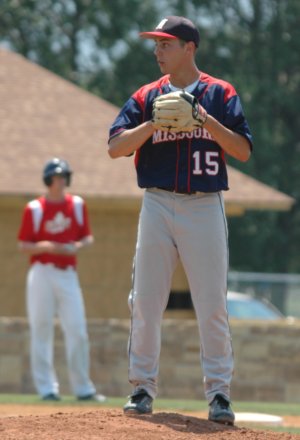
(77, 39)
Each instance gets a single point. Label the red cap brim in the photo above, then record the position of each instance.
(156, 34)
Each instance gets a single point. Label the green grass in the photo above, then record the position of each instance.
(173, 405)
(162, 404)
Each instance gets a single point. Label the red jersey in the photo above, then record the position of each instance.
(60, 222)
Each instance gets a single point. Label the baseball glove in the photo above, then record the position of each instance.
(178, 111)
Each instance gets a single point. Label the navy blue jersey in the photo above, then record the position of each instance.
(185, 162)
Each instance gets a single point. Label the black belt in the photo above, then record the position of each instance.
(177, 191)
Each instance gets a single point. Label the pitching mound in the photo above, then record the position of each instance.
(111, 424)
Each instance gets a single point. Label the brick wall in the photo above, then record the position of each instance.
(267, 359)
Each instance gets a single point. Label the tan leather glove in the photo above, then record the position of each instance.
(178, 111)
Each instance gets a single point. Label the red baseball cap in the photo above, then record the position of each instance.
(173, 27)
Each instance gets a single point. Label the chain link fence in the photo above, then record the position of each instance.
(282, 290)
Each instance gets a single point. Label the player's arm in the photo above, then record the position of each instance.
(128, 141)
(50, 247)
(232, 143)
(180, 111)
(41, 247)
(84, 242)
(73, 247)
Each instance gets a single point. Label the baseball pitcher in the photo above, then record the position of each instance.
(180, 127)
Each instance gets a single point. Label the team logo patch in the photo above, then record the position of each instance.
(59, 224)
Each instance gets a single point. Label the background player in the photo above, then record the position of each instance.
(53, 229)
(183, 170)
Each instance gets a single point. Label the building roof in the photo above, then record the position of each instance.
(44, 116)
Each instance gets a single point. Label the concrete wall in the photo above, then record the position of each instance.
(267, 359)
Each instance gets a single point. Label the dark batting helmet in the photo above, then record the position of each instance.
(56, 167)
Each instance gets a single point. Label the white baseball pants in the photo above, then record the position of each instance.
(54, 292)
(194, 229)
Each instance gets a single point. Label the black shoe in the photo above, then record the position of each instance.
(51, 396)
(220, 411)
(140, 403)
(92, 398)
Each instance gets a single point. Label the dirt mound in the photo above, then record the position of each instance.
(107, 424)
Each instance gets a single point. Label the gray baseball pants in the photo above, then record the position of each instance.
(194, 229)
